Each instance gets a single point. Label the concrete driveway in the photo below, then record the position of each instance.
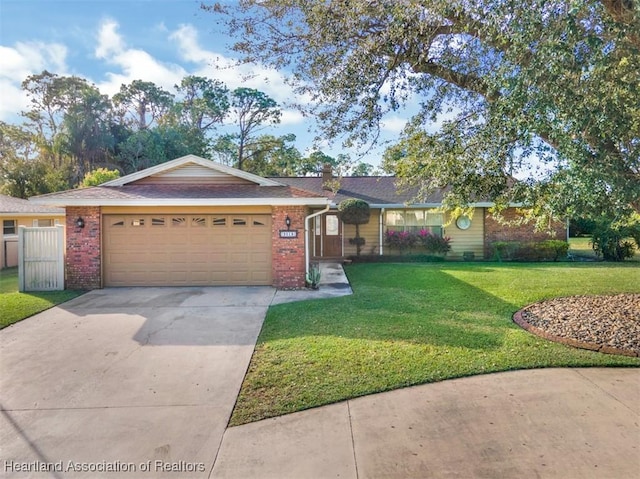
(126, 382)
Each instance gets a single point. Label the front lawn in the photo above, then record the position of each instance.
(15, 306)
(410, 324)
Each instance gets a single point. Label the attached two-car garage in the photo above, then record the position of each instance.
(186, 249)
(186, 222)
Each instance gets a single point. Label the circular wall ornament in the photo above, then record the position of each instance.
(463, 222)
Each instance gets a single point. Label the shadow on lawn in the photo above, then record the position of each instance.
(412, 304)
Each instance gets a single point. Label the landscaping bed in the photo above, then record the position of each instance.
(606, 323)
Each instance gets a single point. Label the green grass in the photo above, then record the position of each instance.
(581, 246)
(15, 306)
(410, 324)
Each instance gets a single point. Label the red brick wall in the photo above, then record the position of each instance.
(83, 262)
(288, 253)
(495, 231)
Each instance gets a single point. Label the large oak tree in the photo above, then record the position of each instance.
(514, 84)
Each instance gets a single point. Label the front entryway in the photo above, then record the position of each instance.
(328, 236)
(332, 235)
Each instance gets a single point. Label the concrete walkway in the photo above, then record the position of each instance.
(549, 423)
(333, 283)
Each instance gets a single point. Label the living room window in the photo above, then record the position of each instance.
(415, 220)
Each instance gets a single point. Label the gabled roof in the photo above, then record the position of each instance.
(17, 206)
(194, 181)
(207, 169)
(186, 181)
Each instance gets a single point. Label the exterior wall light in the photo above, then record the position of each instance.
(287, 222)
(80, 222)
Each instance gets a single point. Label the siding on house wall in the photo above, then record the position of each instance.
(9, 244)
(471, 239)
(9, 252)
(462, 241)
(370, 232)
(476, 239)
(29, 220)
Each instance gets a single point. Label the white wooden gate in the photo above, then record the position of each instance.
(41, 258)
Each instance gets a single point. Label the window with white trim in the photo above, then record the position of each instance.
(415, 220)
(9, 227)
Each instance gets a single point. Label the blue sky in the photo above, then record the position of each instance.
(111, 42)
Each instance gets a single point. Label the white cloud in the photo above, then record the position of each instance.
(186, 38)
(215, 65)
(124, 63)
(110, 43)
(291, 117)
(20, 61)
(133, 64)
(25, 59)
(393, 124)
(13, 100)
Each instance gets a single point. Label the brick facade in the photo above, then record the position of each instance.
(288, 253)
(83, 261)
(495, 231)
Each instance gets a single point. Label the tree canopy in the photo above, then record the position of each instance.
(511, 84)
(73, 133)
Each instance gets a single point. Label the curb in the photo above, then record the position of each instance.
(520, 321)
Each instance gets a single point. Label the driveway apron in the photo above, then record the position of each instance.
(131, 382)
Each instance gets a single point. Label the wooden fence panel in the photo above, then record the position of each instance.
(41, 258)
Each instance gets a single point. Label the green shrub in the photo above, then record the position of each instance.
(433, 243)
(557, 248)
(313, 276)
(503, 250)
(355, 212)
(357, 241)
(547, 250)
(612, 241)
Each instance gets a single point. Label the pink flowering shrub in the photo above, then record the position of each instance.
(434, 243)
(401, 240)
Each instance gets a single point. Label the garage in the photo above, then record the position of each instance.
(187, 249)
(186, 222)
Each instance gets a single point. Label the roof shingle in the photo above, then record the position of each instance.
(375, 190)
(11, 205)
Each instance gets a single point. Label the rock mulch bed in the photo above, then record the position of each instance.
(609, 324)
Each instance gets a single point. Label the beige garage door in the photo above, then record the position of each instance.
(187, 250)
